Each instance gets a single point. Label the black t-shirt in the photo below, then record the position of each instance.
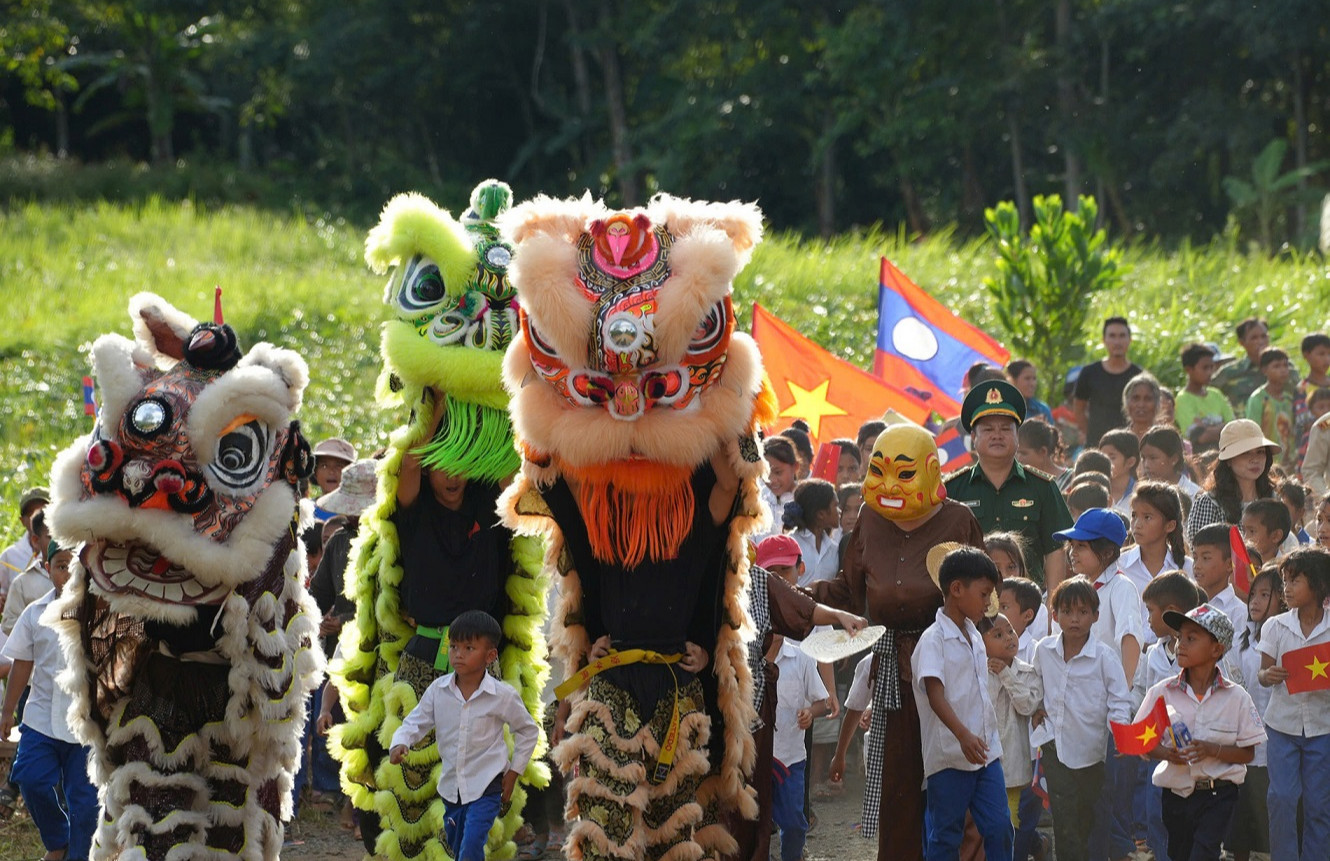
(453, 561)
(658, 605)
(1103, 392)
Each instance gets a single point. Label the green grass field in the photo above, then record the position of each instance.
(67, 270)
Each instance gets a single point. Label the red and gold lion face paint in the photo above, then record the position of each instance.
(622, 265)
(904, 478)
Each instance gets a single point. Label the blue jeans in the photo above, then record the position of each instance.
(950, 793)
(1028, 812)
(1112, 835)
(466, 827)
(787, 808)
(1299, 770)
(41, 766)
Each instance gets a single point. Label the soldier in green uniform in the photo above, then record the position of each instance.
(1003, 495)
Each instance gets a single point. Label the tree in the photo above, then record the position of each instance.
(1046, 279)
(1269, 193)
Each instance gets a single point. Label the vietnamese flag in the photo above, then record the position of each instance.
(1143, 736)
(827, 462)
(1308, 669)
(922, 346)
(1243, 569)
(832, 395)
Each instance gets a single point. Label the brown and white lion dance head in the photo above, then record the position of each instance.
(629, 373)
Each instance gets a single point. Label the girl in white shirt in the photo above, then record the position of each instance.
(814, 518)
(1156, 526)
(1298, 725)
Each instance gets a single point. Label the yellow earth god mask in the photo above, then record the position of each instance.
(904, 478)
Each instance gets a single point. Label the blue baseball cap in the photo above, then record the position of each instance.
(1096, 523)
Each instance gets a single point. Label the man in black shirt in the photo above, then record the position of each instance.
(1098, 397)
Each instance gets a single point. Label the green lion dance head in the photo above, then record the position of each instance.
(455, 314)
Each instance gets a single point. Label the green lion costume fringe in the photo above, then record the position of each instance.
(455, 316)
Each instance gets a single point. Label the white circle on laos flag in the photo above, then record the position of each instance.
(913, 340)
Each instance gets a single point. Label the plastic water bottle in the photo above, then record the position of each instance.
(1177, 736)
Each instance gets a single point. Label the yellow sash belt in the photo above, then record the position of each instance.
(615, 658)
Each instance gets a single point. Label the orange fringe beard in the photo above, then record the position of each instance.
(634, 510)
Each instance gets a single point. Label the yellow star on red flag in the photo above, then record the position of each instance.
(1317, 667)
(811, 405)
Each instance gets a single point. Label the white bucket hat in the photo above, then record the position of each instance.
(1241, 436)
(355, 493)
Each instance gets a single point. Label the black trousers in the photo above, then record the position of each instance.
(1197, 824)
(1073, 794)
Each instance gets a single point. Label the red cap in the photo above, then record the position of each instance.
(778, 550)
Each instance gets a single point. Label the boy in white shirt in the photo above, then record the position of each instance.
(800, 697)
(1096, 547)
(468, 709)
(1014, 688)
(1170, 592)
(957, 723)
(1084, 689)
(1199, 781)
(1212, 569)
(1020, 600)
(49, 757)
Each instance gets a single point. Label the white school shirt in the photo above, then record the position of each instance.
(1081, 696)
(860, 697)
(1249, 659)
(1305, 714)
(1016, 693)
(1232, 605)
(821, 564)
(15, 560)
(943, 653)
(1025, 646)
(1159, 663)
(798, 686)
(1225, 716)
(1131, 567)
(776, 508)
(469, 734)
(1120, 613)
(35, 640)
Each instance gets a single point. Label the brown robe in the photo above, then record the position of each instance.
(884, 577)
(791, 616)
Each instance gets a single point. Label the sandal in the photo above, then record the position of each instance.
(533, 851)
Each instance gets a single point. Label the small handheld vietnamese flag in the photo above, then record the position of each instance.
(826, 462)
(1308, 669)
(89, 399)
(1243, 569)
(1143, 736)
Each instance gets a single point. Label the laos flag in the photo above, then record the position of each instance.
(922, 346)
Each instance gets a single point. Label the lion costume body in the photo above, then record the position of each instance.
(637, 407)
(454, 316)
(186, 621)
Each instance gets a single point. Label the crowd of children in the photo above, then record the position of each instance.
(1191, 577)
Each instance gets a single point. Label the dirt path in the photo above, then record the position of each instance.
(316, 835)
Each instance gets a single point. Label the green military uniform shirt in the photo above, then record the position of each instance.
(1028, 503)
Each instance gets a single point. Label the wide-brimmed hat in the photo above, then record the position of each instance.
(1209, 617)
(992, 398)
(355, 493)
(336, 447)
(836, 643)
(1241, 436)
